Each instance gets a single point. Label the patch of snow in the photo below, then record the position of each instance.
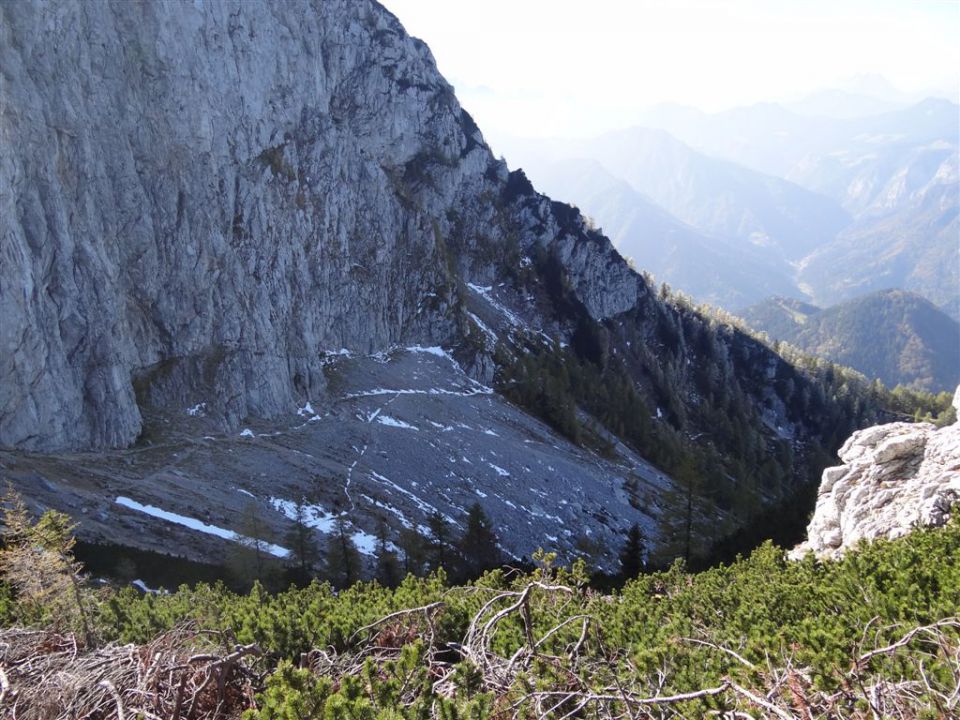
(353, 465)
(479, 493)
(364, 542)
(331, 356)
(486, 292)
(433, 350)
(393, 422)
(390, 509)
(546, 516)
(314, 516)
(424, 507)
(499, 470)
(490, 432)
(246, 492)
(198, 410)
(478, 389)
(197, 525)
(247, 432)
(488, 333)
(306, 410)
(143, 587)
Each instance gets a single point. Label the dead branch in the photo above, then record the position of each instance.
(427, 610)
(46, 677)
(760, 702)
(736, 656)
(906, 639)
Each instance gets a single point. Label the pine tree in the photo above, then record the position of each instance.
(414, 547)
(302, 542)
(681, 516)
(478, 545)
(343, 558)
(439, 547)
(388, 566)
(632, 555)
(249, 559)
(37, 561)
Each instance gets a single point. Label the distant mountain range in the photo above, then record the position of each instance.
(716, 196)
(896, 336)
(916, 247)
(841, 105)
(773, 139)
(826, 207)
(711, 268)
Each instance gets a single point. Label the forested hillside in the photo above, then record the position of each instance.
(335, 297)
(896, 336)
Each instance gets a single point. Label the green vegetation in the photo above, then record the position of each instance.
(728, 470)
(896, 336)
(744, 426)
(762, 636)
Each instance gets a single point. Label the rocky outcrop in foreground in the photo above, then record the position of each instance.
(893, 478)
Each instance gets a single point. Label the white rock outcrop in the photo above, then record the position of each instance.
(894, 478)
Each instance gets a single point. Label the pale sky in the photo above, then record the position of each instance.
(578, 67)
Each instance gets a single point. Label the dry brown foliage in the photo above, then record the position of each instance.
(178, 676)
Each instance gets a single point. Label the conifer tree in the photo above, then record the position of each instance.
(632, 555)
(343, 558)
(37, 561)
(414, 547)
(249, 560)
(302, 543)
(478, 545)
(680, 519)
(388, 566)
(439, 554)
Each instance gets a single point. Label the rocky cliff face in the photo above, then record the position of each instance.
(205, 204)
(211, 193)
(894, 477)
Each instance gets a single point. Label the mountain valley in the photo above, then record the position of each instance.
(214, 283)
(312, 407)
(834, 208)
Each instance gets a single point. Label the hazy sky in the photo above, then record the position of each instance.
(564, 67)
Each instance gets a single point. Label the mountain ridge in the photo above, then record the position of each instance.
(256, 278)
(896, 336)
(718, 270)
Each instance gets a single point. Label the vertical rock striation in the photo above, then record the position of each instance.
(211, 193)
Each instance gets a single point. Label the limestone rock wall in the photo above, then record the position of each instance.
(894, 477)
(213, 192)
